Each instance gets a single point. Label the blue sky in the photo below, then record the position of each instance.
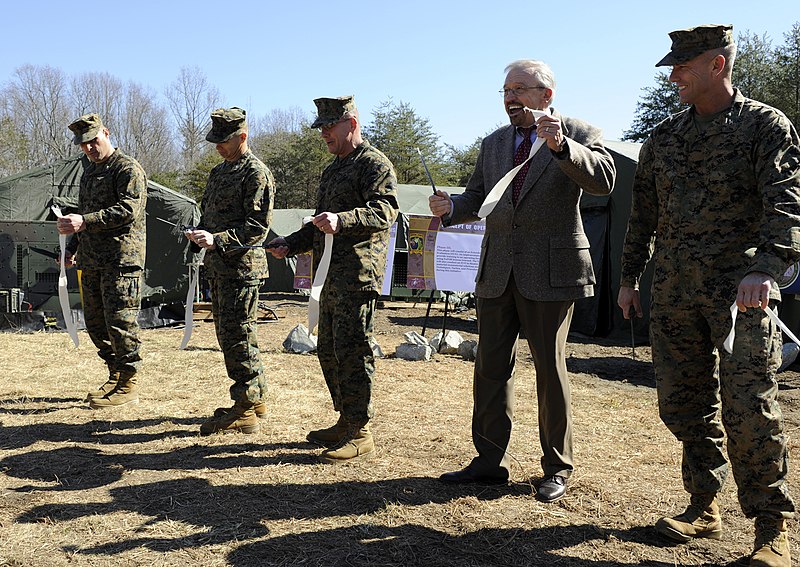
(444, 58)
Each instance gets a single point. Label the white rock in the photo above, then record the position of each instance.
(300, 341)
(408, 351)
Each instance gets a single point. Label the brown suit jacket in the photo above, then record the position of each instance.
(542, 238)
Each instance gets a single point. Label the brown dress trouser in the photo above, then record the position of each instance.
(545, 324)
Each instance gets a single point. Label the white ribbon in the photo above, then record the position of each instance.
(188, 314)
(319, 280)
(63, 294)
(499, 188)
(728, 344)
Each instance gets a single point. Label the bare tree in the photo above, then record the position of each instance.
(36, 101)
(101, 93)
(144, 130)
(191, 100)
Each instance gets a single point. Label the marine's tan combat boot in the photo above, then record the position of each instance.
(700, 519)
(772, 544)
(103, 390)
(259, 408)
(240, 419)
(329, 436)
(356, 442)
(126, 391)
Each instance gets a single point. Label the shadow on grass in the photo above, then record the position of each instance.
(410, 544)
(94, 431)
(615, 369)
(227, 513)
(241, 514)
(81, 468)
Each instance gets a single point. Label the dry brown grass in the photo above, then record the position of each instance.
(139, 486)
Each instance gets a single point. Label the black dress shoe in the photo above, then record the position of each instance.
(469, 476)
(551, 488)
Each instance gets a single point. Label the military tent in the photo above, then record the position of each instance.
(29, 240)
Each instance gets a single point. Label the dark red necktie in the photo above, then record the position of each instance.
(519, 156)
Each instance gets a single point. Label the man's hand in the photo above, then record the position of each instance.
(69, 259)
(327, 222)
(548, 128)
(754, 291)
(439, 203)
(70, 224)
(628, 299)
(202, 238)
(278, 248)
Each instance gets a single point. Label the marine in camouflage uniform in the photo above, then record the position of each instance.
(109, 245)
(356, 201)
(236, 211)
(716, 200)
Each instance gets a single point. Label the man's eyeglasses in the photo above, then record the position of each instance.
(518, 90)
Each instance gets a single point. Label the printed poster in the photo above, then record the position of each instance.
(443, 258)
(304, 272)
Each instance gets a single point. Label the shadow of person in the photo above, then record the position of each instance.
(411, 544)
(82, 468)
(92, 431)
(223, 513)
(615, 369)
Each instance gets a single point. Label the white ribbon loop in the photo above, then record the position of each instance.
(63, 293)
(188, 314)
(728, 344)
(499, 188)
(319, 280)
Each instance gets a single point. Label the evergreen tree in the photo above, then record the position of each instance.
(658, 103)
(398, 131)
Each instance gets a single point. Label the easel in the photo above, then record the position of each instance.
(444, 319)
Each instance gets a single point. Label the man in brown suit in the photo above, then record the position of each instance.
(534, 264)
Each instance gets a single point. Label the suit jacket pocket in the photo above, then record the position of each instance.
(570, 261)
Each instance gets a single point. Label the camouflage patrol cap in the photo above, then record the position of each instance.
(331, 110)
(226, 123)
(86, 128)
(689, 43)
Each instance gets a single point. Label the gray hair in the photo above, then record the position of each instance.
(540, 71)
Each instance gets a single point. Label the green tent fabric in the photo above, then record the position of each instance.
(27, 231)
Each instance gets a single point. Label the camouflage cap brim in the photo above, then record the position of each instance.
(678, 57)
(84, 137)
(220, 137)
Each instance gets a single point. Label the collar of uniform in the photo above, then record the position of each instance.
(725, 121)
(357, 151)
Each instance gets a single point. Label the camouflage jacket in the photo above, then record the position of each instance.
(112, 199)
(711, 206)
(362, 189)
(237, 209)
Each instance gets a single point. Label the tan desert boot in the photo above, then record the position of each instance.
(700, 519)
(772, 544)
(125, 391)
(356, 442)
(240, 419)
(259, 408)
(103, 390)
(329, 436)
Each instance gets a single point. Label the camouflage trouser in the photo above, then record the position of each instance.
(345, 352)
(111, 301)
(694, 380)
(234, 305)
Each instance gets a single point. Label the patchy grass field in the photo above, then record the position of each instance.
(139, 486)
